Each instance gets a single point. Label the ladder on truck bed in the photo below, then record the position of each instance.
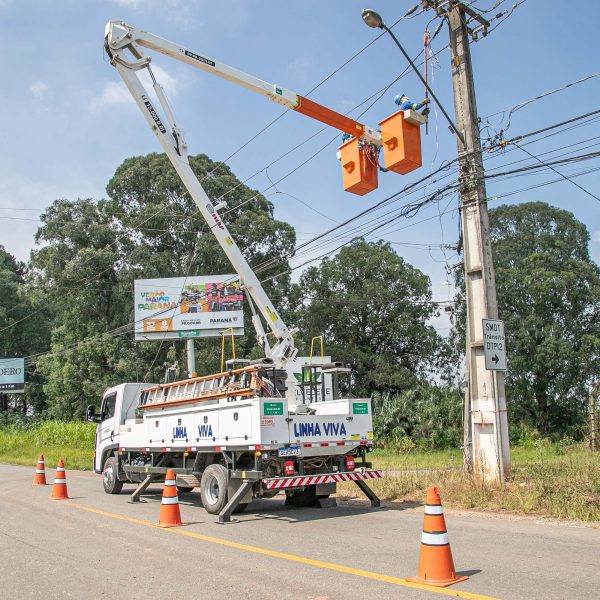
(243, 382)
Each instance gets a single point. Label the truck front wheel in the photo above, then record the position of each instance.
(213, 488)
(110, 476)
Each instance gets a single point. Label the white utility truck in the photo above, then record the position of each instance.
(241, 433)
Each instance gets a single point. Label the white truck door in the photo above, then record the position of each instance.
(109, 425)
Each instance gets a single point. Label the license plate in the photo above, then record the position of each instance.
(291, 451)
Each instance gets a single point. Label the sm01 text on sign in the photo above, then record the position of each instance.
(494, 346)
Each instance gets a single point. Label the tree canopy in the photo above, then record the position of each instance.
(148, 227)
(372, 308)
(549, 296)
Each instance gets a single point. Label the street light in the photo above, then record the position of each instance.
(374, 19)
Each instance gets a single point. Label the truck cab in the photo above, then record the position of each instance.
(118, 404)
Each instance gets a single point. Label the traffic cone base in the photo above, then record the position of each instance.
(169, 506)
(59, 489)
(436, 566)
(40, 472)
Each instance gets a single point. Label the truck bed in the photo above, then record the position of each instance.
(251, 423)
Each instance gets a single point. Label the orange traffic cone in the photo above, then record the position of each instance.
(169, 507)
(436, 566)
(59, 489)
(40, 472)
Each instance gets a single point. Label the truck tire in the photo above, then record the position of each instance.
(110, 477)
(213, 488)
(302, 498)
(184, 489)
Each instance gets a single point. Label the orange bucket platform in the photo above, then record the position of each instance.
(359, 174)
(401, 143)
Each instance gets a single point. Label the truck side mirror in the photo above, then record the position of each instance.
(90, 414)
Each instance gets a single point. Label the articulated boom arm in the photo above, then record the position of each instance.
(123, 45)
(119, 35)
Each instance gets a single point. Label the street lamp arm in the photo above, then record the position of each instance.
(412, 64)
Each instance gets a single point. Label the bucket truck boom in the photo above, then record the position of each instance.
(123, 44)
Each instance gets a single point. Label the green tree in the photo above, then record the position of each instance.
(549, 297)
(148, 227)
(24, 329)
(372, 307)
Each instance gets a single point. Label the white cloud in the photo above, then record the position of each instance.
(112, 93)
(128, 3)
(39, 89)
(596, 236)
(115, 92)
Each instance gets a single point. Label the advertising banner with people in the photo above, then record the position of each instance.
(184, 307)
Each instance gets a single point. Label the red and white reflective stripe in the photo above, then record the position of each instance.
(281, 483)
(41, 462)
(40, 471)
(60, 480)
(60, 469)
(434, 509)
(170, 482)
(434, 539)
(173, 500)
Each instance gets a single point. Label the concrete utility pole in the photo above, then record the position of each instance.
(485, 400)
(486, 423)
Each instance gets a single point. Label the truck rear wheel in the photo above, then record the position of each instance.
(110, 476)
(213, 488)
(302, 498)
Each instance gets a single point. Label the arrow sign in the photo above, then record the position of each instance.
(494, 346)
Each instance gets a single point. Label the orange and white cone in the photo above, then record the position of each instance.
(436, 566)
(40, 472)
(59, 489)
(169, 507)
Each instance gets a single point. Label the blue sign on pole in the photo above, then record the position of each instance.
(12, 375)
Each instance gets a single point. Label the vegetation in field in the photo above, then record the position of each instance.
(556, 480)
(21, 443)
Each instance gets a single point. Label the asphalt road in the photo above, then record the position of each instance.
(97, 546)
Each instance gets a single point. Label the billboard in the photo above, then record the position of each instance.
(187, 307)
(12, 375)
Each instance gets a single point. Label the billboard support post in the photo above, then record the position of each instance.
(191, 357)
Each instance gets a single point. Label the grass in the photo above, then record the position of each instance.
(549, 480)
(72, 441)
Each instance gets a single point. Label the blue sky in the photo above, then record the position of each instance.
(68, 121)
